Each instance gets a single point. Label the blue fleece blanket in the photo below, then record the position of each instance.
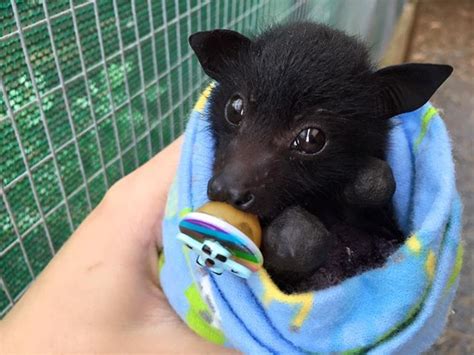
(399, 308)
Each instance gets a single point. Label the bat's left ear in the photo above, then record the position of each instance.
(215, 49)
(406, 87)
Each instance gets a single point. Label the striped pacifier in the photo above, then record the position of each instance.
(224, 238)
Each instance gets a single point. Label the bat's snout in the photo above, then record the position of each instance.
(225, 188)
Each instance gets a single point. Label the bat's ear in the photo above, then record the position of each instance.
(406, 87)
(215, 49)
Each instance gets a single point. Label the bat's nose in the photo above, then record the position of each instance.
(223, 189)
(216, 190)
(241, 199)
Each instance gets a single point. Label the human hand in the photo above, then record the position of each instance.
(100, 293)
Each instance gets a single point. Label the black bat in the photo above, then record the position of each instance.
(300, 120)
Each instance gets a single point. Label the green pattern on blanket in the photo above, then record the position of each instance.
(425, 121)
(457, 268)
(172, 203)
(185, 211)
(161, 261)
(198, 316)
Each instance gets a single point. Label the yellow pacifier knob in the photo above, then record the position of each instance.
(247, 223)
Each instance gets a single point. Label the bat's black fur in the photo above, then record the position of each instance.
(298, 76)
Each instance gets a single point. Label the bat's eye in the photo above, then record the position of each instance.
(309, 141)
(234, 110)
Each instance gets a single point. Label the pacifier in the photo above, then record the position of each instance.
(225, 239)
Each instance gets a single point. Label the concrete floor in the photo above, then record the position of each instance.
(444, 33)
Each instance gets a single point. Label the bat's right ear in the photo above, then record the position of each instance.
(406, 87)
(215, 49)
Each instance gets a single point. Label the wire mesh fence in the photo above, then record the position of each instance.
(90, 90)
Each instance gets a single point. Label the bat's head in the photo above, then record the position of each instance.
(298, 109)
